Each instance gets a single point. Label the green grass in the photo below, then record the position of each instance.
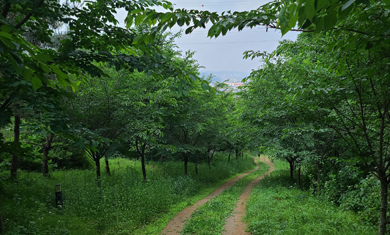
(277, 207)
(125, 204)
(211, 217)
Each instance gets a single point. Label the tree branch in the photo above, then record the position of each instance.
(25, 19)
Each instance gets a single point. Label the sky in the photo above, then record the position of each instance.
(225, 53)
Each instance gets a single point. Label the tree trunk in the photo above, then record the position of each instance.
(208, 159)
(141, 153)
(185, 163)
(196, 168)
(14, 161)
(143, 164)
(299, 177)
(107, 167)
(236, 154)
(384, 194)
(45, 158)
(229, 155)
(97, 163)
(291, 169)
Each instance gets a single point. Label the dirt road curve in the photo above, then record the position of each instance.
(234, 224)
(175, 226)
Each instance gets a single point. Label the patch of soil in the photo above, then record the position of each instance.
(175, 226)
(234, 224)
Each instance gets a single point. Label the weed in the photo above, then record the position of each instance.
(125, 204)
(276, 206)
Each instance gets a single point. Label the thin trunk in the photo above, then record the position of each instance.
(185, 163)
(45, 158)
(196, 168)
(141, 153)
(107, 167)
(229, 155)
(236, 154)
(291, 169)
(299, 177)
(208, 159)
(143, 161)
(97, 163)
(14, 161)
(384, 194)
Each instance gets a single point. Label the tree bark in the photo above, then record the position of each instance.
(97, 163)
(45, 158)
(185, 163)
(299, 177)
(208, 159)
(229, 155)
(236, 154)
(384, 194)
(107, 167)
(14, 161)
(291, 169)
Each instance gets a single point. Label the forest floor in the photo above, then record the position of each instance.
(234, 225)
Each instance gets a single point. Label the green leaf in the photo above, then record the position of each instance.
(5, 28)
(330, 19)
(36, 82)
(137, 40)
(321, 4)
(347, 4)
(319, 24)
(6, 35)
(58, 71)
(293, 16)
(44, 57)
(193, 77)
(310, 11)
(27, 74)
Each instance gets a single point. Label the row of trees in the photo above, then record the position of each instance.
(314, 107)
(320, 97)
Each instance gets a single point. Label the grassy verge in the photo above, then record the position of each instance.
(277, 207)
(211, 217)
(125, 204)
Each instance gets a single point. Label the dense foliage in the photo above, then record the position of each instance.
(98, 91)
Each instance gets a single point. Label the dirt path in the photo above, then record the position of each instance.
(175, 226)
(234, 224)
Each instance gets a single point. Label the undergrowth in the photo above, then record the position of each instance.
(276, 206)
(124, 204)
(210, 218)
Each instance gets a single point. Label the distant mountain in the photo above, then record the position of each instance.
(221, 76)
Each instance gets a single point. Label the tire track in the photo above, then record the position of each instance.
(234, 224)
(175, 226)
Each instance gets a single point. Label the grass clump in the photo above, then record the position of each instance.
(125, 204)
(211, 217)
(276, 206)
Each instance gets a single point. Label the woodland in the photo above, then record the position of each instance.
(134, 134)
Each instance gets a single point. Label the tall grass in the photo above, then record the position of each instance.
(276, 206)
(122, 205)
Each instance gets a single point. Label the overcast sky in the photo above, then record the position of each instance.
(225, 52)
